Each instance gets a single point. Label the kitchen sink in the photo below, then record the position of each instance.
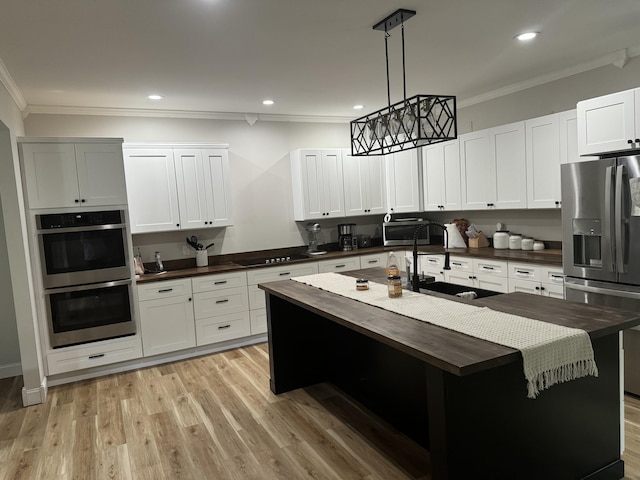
(453, 289)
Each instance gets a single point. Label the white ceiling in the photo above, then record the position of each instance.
(313, 57)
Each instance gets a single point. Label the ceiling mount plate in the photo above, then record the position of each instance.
(393, 20)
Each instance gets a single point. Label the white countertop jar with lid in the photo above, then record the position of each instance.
(527, 243)
(501, 240)
(515, 241)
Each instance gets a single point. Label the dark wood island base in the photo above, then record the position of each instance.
(462, 398)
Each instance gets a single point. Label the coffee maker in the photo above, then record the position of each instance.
(346, 232)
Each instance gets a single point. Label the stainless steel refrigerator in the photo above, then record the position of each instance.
(601, 242)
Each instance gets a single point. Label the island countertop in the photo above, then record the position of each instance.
(448, 350)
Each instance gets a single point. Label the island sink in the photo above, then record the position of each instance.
(453, 289)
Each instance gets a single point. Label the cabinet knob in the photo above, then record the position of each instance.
(189, 298)
(177, 224)
(83, 200)
(629, 141)
(77, 200)
(637, 140)
(557, 202)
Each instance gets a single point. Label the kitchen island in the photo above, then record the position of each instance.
(462, 398)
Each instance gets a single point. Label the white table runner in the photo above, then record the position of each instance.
(551, 353)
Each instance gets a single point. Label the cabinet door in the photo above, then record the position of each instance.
(452, 199)
(353, 170)
(403, 182)
(508, 167)
(478, 187)
(101, 178)
(167, 325)
(524, 286)
(543, 162)
(568, 122)
(217, 187)
(606, 124)
(50, 175)
(190, 186)
(433, 177)
(340, 265)
(318, 190)
(332, 186)
(375, 185)
(151, 189)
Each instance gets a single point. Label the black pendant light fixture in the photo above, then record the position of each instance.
(410, 123)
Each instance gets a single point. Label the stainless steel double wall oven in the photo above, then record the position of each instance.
(86, 275)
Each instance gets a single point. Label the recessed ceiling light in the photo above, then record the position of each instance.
(523, 37)
(358, 107)
(267, 102)
(155, 97)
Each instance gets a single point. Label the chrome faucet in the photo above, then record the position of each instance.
(415, 283)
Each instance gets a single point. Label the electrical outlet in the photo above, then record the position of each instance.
(186, 250)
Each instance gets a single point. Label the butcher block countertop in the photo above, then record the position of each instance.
(448, 350)
(242, 261)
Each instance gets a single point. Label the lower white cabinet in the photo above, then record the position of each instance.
(257, 302)
(221, 307)
(339, 265)
(374, 260)
(166, 316)
(481, 273)
(536, 279)
(96, 354)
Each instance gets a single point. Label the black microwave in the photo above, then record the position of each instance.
(401, 233)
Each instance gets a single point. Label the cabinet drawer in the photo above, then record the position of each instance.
(523, 271)
(373, 260)
(490, 267)
(226, 327)
(209, 283)
(339, 265)
(258, 321)
(431, 262)
(220, 302)
(461, 264)
(257, 298)
(103, 353)
(164, 289)
(553, 275)
(270, 274)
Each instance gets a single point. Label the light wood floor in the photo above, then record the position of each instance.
(211, 418)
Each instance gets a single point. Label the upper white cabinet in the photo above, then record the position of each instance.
(543, 162)
(441, 176)
(404, 194)
(609, 123)
(73, 172)
(364, 185)
(317, 183)
(494, 168)
(177, 188)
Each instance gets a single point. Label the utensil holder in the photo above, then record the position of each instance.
(479, 242)
(202, 259)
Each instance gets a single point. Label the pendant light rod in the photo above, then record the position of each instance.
(404, 76)
(386, 57)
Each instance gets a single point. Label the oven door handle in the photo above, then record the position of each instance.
(87, 228)
(90, 286)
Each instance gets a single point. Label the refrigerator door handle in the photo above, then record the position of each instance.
(621, 254)
(609, 214)
(603, 291)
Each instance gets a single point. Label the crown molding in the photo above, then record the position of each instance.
(12, 88)
(610, 59)
(136, 112)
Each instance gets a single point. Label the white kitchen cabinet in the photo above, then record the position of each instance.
(441, 176)
(365, 188)
(568, 122)
(404, 193)
(177, 188)
(373, 260)
(221, 307)
(344, 264)
(71, 173)
(432, 265)
(608, 123)
(493, 168)
(461, 272)
(95, 354)
(481, 273)
(536, 279)
(317, 182)
(166, 316)
(543, 162)
(257, 302)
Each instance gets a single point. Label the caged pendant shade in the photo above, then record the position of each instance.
(410, 123)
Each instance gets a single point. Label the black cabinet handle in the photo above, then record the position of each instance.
(165, 290)
(222, 327)
(189, 298)
(177, 224)
(341, 266)
(220, 282)
(222, 301)
(637, 140)
(284, 273)
(97, 355)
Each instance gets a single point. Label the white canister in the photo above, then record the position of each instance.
(515, 241)
(537, 245)
(527, 243)
(202, 259)
(501, 240)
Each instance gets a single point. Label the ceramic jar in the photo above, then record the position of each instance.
(515, 241)
(527, 243)
(501, 240)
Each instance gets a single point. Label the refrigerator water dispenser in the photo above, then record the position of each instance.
(587, 242)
